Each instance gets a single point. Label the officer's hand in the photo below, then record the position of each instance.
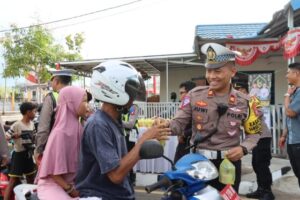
(281, 142)
(158, 121)
(156, 132)
(235, 153)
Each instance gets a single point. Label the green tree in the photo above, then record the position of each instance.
(34, 49)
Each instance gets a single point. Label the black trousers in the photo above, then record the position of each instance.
(130, 145)
(181, 150)
(238, 170)
(293, 151)
(261, 159)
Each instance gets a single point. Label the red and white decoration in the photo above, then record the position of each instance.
(291, 43)
(250, 51)
(32, 77)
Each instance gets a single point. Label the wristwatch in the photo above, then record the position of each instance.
(287, 95)
(245, 151)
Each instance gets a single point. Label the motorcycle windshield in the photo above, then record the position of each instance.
(186, 161)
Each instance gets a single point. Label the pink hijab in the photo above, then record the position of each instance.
(62, 149)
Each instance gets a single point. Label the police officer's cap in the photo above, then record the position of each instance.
(217, 55)
(62, 72)
(239, 85)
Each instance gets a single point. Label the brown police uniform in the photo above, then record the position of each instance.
(44, 126)
(200, 106)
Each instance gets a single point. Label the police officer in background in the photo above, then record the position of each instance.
(222, 131)
(184, 139)
(261, 158)
(59, 79)
(129, 122)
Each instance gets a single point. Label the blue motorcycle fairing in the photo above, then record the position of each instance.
(192, 184)
(185, 162)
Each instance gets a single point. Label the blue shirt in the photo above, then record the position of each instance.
(102, 147)
(293, 123)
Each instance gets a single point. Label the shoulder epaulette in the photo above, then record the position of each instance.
(242, 95)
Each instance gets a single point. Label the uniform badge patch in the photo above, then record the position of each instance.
(201, 103)
(199, 126)
(233, 123)
(231, 133)
(235, 109)
(210, 93)
(199, 117)
(232, 99)
(186, 100)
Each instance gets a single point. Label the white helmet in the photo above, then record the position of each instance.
(116, 82)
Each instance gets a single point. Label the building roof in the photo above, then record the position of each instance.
(147, 65)
(278, 26)
(229, 31)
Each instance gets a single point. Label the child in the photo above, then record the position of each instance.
(21, 162)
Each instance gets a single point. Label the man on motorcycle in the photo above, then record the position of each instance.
(201, 106)
(104, 163)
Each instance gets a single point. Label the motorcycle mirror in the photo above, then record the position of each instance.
(151, 149)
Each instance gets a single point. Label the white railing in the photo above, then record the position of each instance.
(168, 109)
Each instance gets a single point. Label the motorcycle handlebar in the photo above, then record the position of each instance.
(163, 182)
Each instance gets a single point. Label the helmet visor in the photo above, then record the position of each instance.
(136, 89)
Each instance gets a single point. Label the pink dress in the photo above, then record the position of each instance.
(62, 150)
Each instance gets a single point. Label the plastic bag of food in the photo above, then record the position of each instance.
(227, 172)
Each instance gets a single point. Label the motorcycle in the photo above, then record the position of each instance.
(187, 180)
(149, 150)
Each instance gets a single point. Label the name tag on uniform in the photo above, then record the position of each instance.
(133, 136)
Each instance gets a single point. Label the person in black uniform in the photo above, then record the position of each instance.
(261, 159)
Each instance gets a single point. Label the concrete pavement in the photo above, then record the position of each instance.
(284, 187)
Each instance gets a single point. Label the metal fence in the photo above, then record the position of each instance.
(168, 110)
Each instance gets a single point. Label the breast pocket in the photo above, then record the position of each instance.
(233, 127)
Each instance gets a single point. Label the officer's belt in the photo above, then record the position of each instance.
(212, 154)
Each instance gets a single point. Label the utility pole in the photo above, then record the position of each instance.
(4, 102)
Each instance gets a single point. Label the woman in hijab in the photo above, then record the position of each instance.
(60, 158)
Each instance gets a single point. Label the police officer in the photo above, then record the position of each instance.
(261, 159)
(201, 105)
(59, 79)
(129, 123)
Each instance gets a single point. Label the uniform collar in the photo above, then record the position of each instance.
(232, 96)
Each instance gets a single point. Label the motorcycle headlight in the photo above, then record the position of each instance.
(204, 170)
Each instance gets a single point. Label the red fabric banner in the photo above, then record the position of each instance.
(31, 76)
(252, 50)
(291, 43)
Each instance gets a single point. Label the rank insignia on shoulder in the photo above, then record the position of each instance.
(186, 100)
(232, 99)
(210, 93)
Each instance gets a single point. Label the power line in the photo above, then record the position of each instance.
(97, 18)
(74, 17)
